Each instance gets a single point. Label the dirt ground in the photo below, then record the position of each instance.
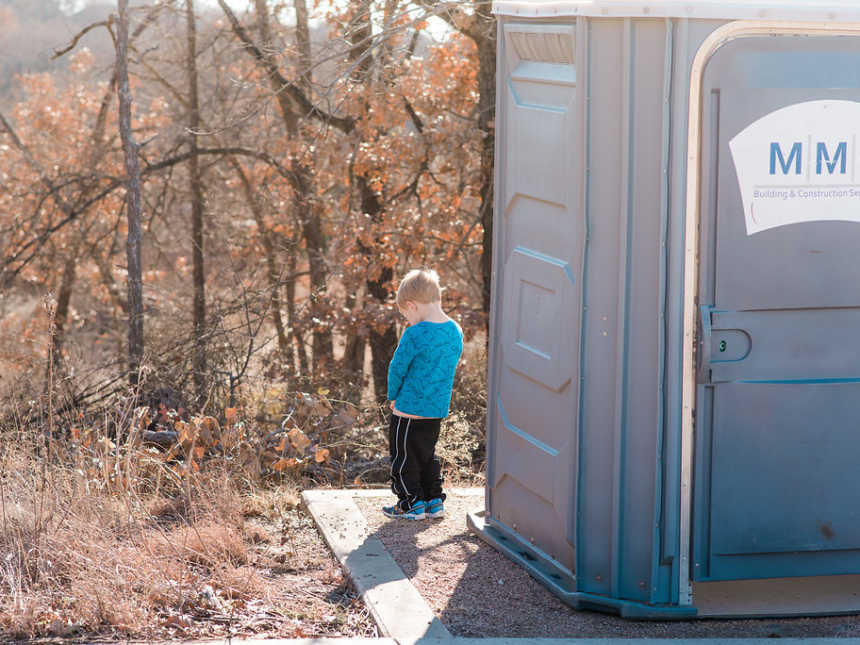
(477, 592)
(310, 590)
(298, 591)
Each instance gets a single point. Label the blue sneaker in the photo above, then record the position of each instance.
(415, 512)
(435, 508)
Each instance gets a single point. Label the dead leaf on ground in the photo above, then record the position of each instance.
(299, 440)
(284, 463)
(207, 430)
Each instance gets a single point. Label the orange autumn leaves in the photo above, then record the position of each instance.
(182, 447)
(298, 443)
(413, 141)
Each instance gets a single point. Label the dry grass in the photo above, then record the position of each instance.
(102, 538)
(92, 547)
(462, 444)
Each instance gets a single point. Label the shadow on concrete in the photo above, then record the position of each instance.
(396, 607)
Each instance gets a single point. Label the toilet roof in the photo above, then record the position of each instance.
(808, 10)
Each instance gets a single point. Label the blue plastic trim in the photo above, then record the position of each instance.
(657, 544)
(537, 443)
(561, 582)
(548, 108)
(586, 198)
(564, 266)
(675, 307)
(625, 222)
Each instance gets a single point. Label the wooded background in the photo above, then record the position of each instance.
(202, 193)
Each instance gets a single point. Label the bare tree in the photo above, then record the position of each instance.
(479, 24)
(133, 200)
(290, 101)
(384, 341)
(199, 274)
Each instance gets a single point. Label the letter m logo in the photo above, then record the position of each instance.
(838, 158)
(793, 158)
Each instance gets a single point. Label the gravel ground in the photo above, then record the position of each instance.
(477, 592)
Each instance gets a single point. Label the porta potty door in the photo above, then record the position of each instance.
(778, 401)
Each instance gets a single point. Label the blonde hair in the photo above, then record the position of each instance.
(419, 285)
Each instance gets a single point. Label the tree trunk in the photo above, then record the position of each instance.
(197, 249)
(61, 312)
(312, 229)
(133, 199)
(298, 335)
(271, 264)
(353, 353)
(382, 345)
(312, 232)
(480, 26)
(303, 41)
(486, 44)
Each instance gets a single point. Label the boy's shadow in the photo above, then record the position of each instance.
(427, 545)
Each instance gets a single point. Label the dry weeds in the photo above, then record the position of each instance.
(83, 556)
(104, 537)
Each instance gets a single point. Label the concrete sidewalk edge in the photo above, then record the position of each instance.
(398, 609)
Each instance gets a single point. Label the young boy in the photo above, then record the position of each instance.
(420, 378)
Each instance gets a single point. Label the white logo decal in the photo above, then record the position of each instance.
(799, 164)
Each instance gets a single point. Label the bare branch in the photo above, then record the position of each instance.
(31, 160)
(291, 89)
(286, 173)
(26, 252)
(79, 35)
(108, 24)
(419, 124)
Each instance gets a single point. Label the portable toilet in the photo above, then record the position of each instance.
(674, 364)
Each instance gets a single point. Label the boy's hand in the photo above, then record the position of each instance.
(391, 405)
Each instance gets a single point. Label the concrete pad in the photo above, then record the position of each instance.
(396, 606)
(386, 492)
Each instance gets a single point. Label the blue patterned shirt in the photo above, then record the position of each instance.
(421, 373)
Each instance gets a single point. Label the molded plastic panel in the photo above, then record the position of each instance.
(540, 293)
(534, 390)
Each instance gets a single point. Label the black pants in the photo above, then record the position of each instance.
(415, 471)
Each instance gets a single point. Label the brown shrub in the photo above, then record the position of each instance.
(82, 556)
